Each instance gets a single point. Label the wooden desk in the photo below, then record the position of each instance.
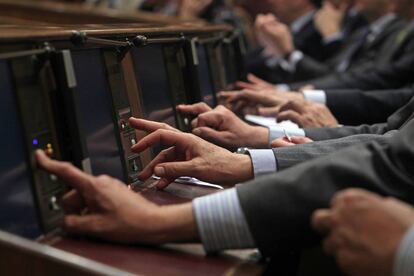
(172, 259)
(75, 13)
(74, 256)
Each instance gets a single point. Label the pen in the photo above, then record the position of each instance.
(287, 136)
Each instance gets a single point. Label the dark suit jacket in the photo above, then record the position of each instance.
(351, 104)
(351, 23)
(307, 40)
(309, 68)
(356, 107)
(278, 207)
(395, 121)
(394, 70)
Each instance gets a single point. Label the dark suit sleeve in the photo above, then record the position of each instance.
(309, 68)
(287, 157)
(319, 134)
(278, 207)
(355, 107)
(392, 75)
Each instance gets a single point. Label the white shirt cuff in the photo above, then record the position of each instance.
(404, 258)
(221, 222)
(264, 161)
(282, 87)
(335, 37)
(318, 96)
(276, 132)
(289, 65)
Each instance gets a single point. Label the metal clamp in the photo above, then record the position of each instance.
(46, 49)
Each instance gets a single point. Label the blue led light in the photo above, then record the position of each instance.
(35, 142)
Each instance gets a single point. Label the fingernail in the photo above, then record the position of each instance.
(159, 171)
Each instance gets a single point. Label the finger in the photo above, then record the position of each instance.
(163, 183)
(254, 79)
(194, 123)
(242, 95)
(290, 115)
(268, 111)
(239, 106)
(83, 225)
(352, 195)
(244, 85)
(281, 143)
(332, 243)
(194, 109)
(165, 137)
(168, 172)
(211, 135)
(73, 202)
(322, 221)
(211, 119)
(227, 94)
(297, 106)
(297, 140)
(149, 126)
(66, 172)
(164, 156)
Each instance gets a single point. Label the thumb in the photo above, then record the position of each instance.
(168, 172)
(280, 143)
(82, 225)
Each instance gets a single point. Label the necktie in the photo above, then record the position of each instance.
(352, 51)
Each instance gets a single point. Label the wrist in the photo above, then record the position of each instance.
(176, 224)
(259, 137)
(330, 32)
(243, 168)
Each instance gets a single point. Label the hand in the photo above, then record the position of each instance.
(278, 37)
(284, 141)
(222, 127)
(307, 114)
(255, 83)
(364, 231)
(191, 9)
(104, 207)
(328, 19)
(190, 155)
(260, 100)
(260, 21)
(149, 126)
(194, 109)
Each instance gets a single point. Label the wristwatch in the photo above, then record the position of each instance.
(244, 151)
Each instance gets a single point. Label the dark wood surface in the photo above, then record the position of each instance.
(69, 13)
(22, 32)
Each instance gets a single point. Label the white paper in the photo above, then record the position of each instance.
(193, 181)
(269, 121)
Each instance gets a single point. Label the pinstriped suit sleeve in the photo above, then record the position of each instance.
(221, 222)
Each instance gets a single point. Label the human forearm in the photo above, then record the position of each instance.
(176, 223)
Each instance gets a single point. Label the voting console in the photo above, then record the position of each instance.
(70, 90)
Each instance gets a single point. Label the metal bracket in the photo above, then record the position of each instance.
(46, 49)
(141, 41)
